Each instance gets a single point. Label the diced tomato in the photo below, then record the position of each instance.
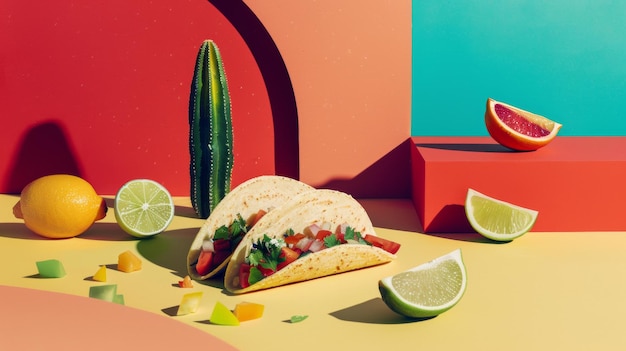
(321, 234)
(341, 237)
(341, 228)
(221, 245)
(204, 262)
(293, 239)
(289, 255)
(219, 257)
(387, 245)
(244, 275)
(265, 271)
(254, 218)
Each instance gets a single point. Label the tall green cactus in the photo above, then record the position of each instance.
(210, 131)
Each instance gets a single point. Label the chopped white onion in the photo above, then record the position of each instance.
(312, 230)
(303, 243)
(207, 245)
(317, 245)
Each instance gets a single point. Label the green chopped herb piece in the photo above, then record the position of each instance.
(221, 233)
(255, 275)
(331, 240)
(298, 318)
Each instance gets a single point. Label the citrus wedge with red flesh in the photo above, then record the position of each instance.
(518, 129)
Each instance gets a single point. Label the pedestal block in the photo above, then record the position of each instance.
(576, 183)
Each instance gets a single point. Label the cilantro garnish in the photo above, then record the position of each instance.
(331, 240)
(221, 233)
(233, 232)
(255, 275)
(289, 232)
(352, 234)
(238, 226)
(266, 253)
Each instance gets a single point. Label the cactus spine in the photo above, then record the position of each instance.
(210, 131)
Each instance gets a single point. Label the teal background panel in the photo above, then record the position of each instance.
(563, 59)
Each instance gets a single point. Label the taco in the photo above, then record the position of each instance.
(314, 234)
(232, 219)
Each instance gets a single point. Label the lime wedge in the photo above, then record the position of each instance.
(221, 315)
(496, 219)
(143, 208)
(428, 289)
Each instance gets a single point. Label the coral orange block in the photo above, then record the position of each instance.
(576, 183)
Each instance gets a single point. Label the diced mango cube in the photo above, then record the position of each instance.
(245, 311)
(128, 262)
(189, 303)
(221, 315)
(186, 282)
(50, 268)
(101, 274)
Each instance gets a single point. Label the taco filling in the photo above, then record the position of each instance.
(269, 255)
(218, 249)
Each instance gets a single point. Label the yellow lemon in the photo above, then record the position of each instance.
(59, 206)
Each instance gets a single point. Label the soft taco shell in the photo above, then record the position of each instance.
(316, 206)
(260, 193)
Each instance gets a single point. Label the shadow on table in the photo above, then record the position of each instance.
(469, 237)
(18, 231)
(98, 231)
(373, 311)
(169, 249)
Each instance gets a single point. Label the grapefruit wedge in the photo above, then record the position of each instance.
(517, 129)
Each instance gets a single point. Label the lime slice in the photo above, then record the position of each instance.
(496, 219)
(143, 208)
(428, 289)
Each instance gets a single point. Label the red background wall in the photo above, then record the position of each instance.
(100, 89)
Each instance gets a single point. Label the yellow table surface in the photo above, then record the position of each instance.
(542, 291)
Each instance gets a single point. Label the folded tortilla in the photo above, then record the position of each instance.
(298, 213)
(260, 193)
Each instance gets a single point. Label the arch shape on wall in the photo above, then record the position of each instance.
(279, 88)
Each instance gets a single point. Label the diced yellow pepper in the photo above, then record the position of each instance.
(101, 274)
(189, 303)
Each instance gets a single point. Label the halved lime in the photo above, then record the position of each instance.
(428, 289)
(143, 208)
(497, 219)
